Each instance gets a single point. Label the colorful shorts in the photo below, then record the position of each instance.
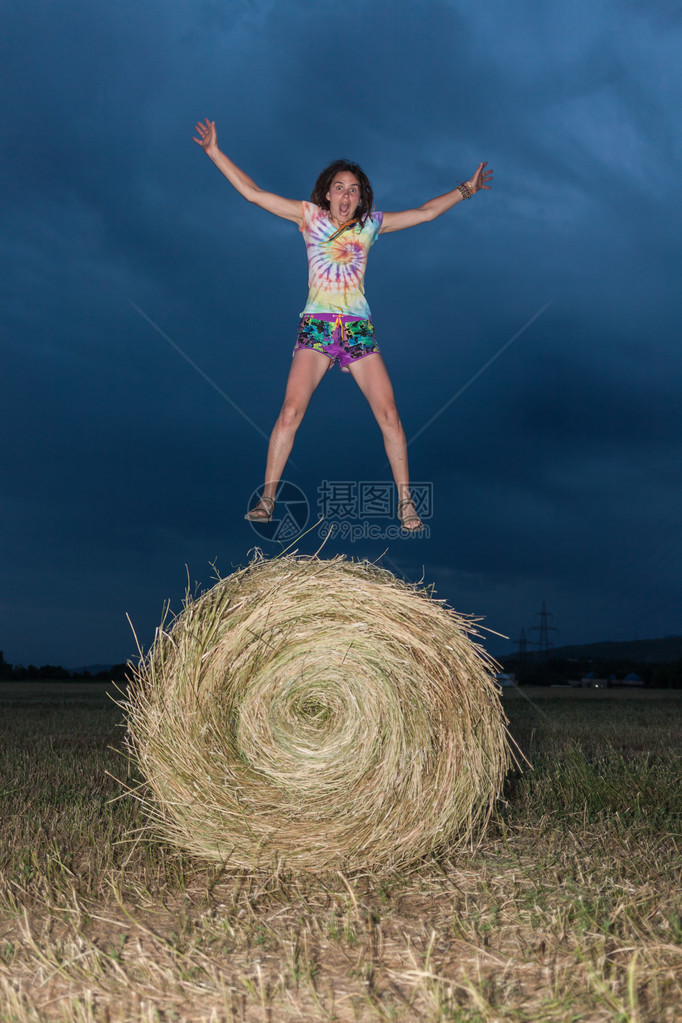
(343, 339)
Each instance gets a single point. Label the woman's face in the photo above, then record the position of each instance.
(343, 196)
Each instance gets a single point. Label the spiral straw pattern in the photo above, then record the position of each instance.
(322, 713)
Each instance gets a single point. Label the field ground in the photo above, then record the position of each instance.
(569, 910)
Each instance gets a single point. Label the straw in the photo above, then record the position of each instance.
(318, 712)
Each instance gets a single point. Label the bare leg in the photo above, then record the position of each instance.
(307, 369)
(372, 378)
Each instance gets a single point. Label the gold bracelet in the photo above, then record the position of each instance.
(465, 190)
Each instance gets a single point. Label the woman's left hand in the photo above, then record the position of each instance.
(481, 177)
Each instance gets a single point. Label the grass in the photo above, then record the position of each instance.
(568, 911)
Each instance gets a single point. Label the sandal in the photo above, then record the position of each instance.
(404, 519)
(259, 514)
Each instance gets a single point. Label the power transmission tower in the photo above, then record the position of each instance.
(522, 644)
(543, 643)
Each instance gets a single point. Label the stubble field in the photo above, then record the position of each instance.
(569, 910)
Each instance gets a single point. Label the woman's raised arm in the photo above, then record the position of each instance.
(481, 178)
(288, 209)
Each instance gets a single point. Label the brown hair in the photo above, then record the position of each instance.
(324, 182)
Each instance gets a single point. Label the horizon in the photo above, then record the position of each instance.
(106, 666)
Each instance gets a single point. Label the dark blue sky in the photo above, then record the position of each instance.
(556, 474)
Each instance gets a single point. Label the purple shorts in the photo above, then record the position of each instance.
(343, 339)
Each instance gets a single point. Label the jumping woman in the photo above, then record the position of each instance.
(338, 226)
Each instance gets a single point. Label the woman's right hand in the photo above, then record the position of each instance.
(288, 209)
(208, 136)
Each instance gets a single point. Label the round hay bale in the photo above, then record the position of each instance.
(317, 712)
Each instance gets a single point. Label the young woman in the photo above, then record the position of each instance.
(338, 226)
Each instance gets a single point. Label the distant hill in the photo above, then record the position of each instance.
(90, 669)
(645, 651)
(101, 671)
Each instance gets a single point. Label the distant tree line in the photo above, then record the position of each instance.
(55, 673)
(533, 670)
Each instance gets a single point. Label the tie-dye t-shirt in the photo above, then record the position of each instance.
(336, 266)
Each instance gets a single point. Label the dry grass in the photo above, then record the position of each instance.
(319, 714)
(569, 911)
